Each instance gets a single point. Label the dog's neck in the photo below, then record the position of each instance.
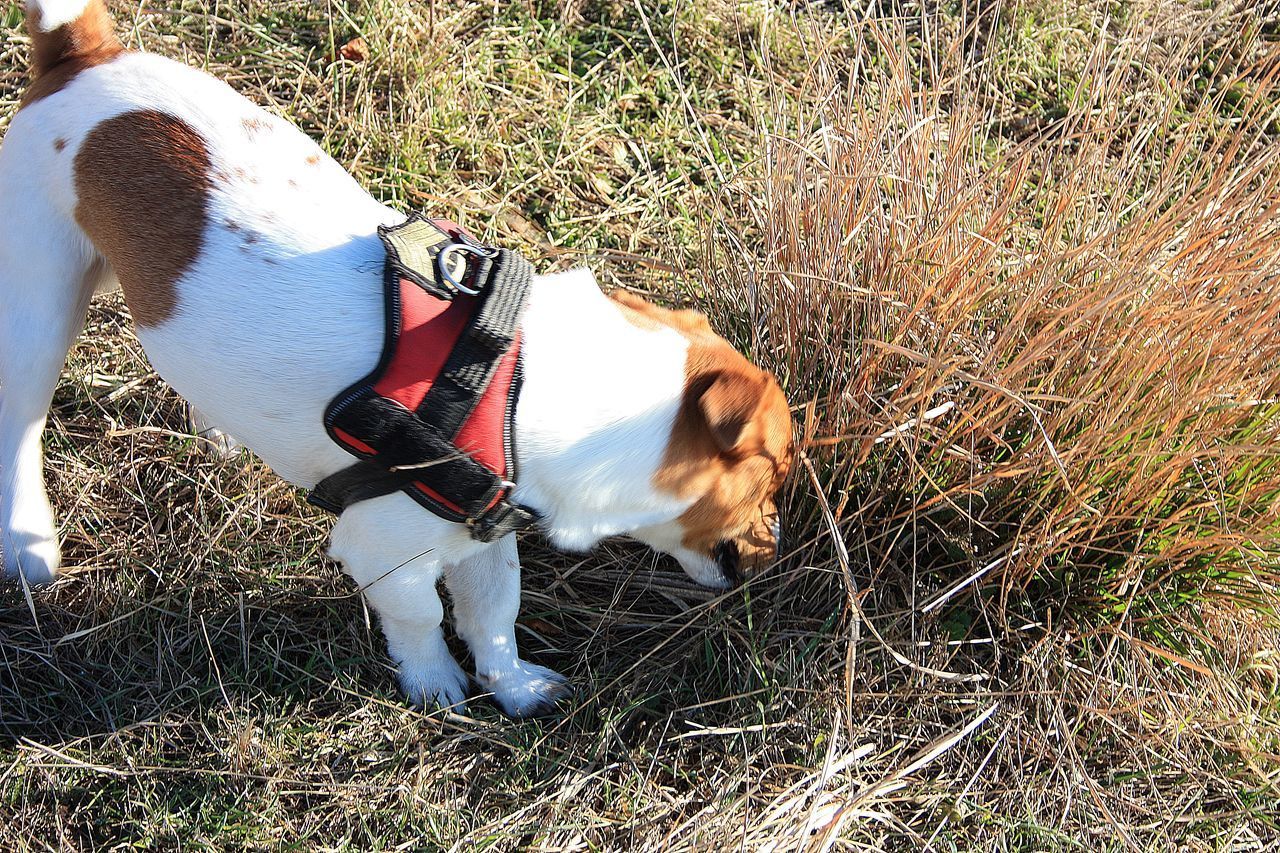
(595, 415)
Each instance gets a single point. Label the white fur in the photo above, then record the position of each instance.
(267, 332)
(55, 13)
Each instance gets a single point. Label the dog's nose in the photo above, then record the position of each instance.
(728, 560)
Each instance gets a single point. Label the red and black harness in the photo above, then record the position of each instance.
(435, 418)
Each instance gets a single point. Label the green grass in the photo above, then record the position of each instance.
(205, 677)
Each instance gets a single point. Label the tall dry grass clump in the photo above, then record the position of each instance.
(1054, 356)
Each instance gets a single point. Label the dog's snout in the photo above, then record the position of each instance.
(728, 560)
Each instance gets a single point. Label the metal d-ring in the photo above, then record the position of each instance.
(467, 248)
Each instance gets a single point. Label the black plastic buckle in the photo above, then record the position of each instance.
(503, 518)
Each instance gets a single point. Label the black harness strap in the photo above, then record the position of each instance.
(475, 357)
(359, 482)
(406, 444)
(365, 480)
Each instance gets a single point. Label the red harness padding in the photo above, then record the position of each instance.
(435, 418)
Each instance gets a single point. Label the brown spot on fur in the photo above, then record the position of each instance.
(645, 315)
(59, 144)
(239, 173)
(254, 126)
(730, 446)
(58, 56)
(142, 184)
(313, 159)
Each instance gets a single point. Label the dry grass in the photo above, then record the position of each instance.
(1055, 357)
(1016, 266)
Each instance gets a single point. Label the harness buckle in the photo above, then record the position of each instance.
(502, 518)
(466, 246)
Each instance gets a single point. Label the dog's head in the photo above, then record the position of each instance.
(730, 451)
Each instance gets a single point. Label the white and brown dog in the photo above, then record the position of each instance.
(252, 267)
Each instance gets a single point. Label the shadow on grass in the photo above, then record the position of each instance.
(212, 702)
(95, 655)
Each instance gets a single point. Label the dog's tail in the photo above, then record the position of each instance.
(69, 32)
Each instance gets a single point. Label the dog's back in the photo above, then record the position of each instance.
(247, 256)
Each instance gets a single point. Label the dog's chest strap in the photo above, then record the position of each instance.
(435, 419)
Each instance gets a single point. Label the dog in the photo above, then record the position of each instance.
(252, 267)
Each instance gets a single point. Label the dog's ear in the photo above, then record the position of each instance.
(729, 403)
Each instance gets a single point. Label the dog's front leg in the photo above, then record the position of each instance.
(398, 577)
(486, 600)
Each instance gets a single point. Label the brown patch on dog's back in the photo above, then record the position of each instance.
(58, 56)
(142, 184)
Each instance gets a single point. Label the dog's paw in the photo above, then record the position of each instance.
(526, 689)
(439, 684)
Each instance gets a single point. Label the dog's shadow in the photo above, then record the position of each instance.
(93, 655)
(76, 662)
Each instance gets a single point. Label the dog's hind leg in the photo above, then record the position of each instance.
(48, 272)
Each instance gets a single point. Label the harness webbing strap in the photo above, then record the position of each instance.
(355, 483)
(412, 248)
(406, 444)
(475, 357)
(505, 517)
(366, 480)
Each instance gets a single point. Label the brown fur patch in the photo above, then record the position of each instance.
(732, 458)
(58, 56)
(313, 159)
(142, 185)
(59, 144)
(645, 315)
(731, 445)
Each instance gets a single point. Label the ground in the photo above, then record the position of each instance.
(1015, 265)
